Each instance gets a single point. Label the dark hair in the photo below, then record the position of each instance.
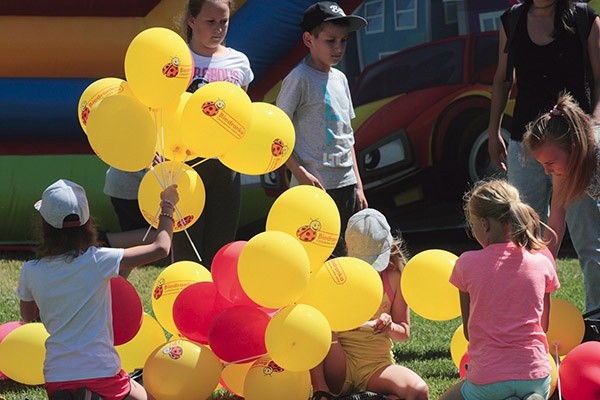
(570, 128)
(193, 9)
(564, 19)
(337, 22)
(68, 241)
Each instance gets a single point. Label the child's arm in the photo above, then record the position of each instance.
(160, 247)
(465, 308)
(396, 325)
(546, 313)
(302, 175)
(361, 200)
(556, 221)
(29, 311)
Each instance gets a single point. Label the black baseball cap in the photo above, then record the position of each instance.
(324, 11)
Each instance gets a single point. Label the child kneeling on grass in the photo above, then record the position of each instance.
(68, 287)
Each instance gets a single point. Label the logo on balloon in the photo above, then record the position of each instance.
(183, 222)
(271, 368)
(336, 271)
(175, 352)
(278, 148)
(216, 110)
(158, 291)
(312, 233)
(171, 69)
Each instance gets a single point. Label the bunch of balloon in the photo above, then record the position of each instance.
(268, 143)
(22, 353)
(182, 370)
(426, 287)
(169, 284)
(192, 194)
(309, 215)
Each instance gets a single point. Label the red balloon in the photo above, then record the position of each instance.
(224, 270)
(194, 309)
(225, 273)
(5, 329)
(462, 369)
(579, 372)
(127, 310)
(238, 334)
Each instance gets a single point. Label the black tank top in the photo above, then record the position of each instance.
(542, 72)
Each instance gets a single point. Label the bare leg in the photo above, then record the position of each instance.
(399, 381)
(138, 392)
(330, 374)
(453, 393)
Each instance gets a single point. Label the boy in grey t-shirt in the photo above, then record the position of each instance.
(317, 99)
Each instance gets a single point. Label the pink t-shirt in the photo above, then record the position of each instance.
(506, 285)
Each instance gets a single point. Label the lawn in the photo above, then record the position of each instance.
(427, 352)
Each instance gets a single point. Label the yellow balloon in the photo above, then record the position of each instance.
(169, 283)
(172, 146)
(233, 376)
(298, 337)
(182, 370)
(347, 290)
(553, 375)
(121, 132)
(215, 119)
(426, 287)
(158, 66)
(22, 354)
(566, 327)
(267, 145)
(95, 92)
(192, 194)
(273, 269)
(311, 216)
(458, 345)
(135, 352)
(267, 380)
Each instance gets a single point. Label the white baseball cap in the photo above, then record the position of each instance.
(61, 199)
(368, 237)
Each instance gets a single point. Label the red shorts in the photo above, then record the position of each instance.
(113, 388)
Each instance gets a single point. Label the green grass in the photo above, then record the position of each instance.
(427, 352)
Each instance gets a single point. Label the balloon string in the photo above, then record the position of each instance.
(179, 216)
(150, 227)
(557, 361)
(200, 162)
(243, 360)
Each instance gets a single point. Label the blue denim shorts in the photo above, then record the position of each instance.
(502, 390)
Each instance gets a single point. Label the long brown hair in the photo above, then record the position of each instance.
(568, 127)
(564, 19)
(66, 241)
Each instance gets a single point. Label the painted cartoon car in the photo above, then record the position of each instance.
(420, 129)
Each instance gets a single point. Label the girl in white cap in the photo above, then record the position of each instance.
(361, 360)
(67, 286)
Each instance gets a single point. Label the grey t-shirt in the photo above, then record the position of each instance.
(320, 106)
